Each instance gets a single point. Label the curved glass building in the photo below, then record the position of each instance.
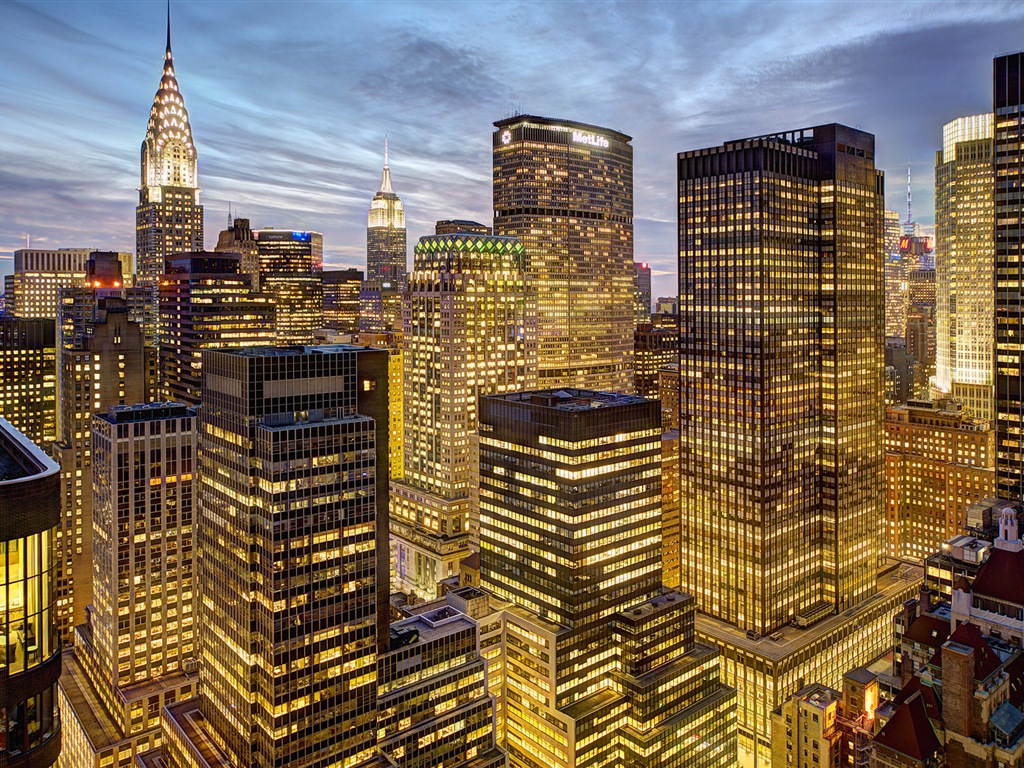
(30, 661)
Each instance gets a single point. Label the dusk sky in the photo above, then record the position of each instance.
(290, 101)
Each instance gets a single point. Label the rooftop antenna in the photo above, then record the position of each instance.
(168, 26)
(28, 240)
(910, 218)
(385, 150)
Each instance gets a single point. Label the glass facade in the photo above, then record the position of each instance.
(964, 287)
(341, 299)
(781, 374)
(290, 264)
(30, 661)
(1008, 108)
(565, 189)
(205, 302)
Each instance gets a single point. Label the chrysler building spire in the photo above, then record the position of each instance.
(169, 218)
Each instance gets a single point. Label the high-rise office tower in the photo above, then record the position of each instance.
(104, 278)
(642, 287)
(169, 218)
(565, 189)
(136, 650)
(385, 234)
(570, 533)
(33, 290)
(292, 560)
(380, 307)
(340, 289)
(781, 406)
(454, 226)
(1008, 106)
(205, 303)
(30, 660)
(470, 330)
(653, 349)
(781, 375)
(290, 264)
(107, 364)
(28, 377)
(964, 279)
(895, 277)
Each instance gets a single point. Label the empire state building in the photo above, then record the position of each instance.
(169, 218)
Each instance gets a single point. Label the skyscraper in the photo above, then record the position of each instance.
(290, 264)
(340, 289)
(470, 330)
(28, 377)
(570, 532)
(239, 238)
(781, 374)
(895, 278)
(33, 290)
(643, 292)
(565, 189)
(964, 280)
(107, 364)
(30, 661)
(781, 409)
(385, 234)
(1008, 106)
(136, 650)
(206, 303)
(169, 218)
(292, 579)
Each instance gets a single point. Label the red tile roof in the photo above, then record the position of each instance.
(910, 732)
(1015, 669)
(985, 659)
(928, 630)
(1001, 576)
(931, 701)
(962, 583)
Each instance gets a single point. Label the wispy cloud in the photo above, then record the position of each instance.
(290, 101)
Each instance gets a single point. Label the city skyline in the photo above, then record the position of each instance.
(311, 160)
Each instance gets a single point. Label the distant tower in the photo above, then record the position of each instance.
(385, 234)
(909, 225)
(169, 218)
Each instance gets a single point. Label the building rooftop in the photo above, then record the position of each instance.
(119, 414)
(789, 639)
(20, 458)
(435, 624)
(1001, 577)
(568, 399)
(188, 717)
(910, 732)
(554, 122)
(272, 351)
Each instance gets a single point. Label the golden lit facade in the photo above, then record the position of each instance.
(28, 377)
(432, 697)
(653, 349)
(671, 543)
(386, 235)
(938, 462)
(469, 330)
(33, 289)
(895, 277)
(107, 365)
(965, 293)
(169, 218)
(206, 303)
(781, 375)
(292, 602)
(565, 189)
(1008, 130)
(290, 264)
(136, 650)
(340, 288)
(599, 661)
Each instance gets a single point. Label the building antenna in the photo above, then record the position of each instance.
(910, 218)
(230, 221)
(168, 25)
(385, 150)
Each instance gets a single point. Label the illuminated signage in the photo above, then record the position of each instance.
(506, 137)
(589, 138)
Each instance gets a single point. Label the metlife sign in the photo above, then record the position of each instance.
(579, 137)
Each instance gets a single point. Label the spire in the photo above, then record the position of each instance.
(910, 218)
(168, 54)
(385, 180)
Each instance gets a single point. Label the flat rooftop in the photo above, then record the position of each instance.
(568, 399)
(789, 639)
(20, 458)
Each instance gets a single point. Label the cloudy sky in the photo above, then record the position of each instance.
(290, 101)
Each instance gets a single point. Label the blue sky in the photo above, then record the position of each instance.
(290, 101)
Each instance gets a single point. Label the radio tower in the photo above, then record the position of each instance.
(908, 225)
